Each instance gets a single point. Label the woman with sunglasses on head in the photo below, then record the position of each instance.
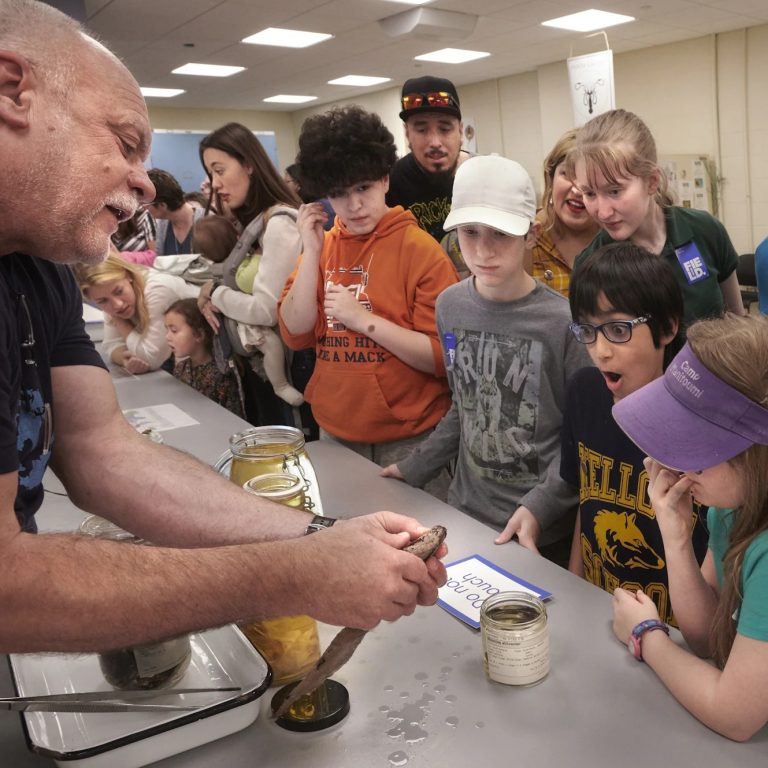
(564, 228)
(627, 311)
(246, 184)
(614, 164)
(705, 428)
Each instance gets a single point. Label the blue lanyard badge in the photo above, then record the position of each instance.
(449, 341)
(692, 263)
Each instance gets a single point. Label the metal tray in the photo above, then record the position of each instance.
(220, 657)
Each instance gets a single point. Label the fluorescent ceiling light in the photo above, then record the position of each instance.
(360, 80)
(287, 98)
(161, 93)
(452, 56)
(207, 70)
(286, 38)
(588, 21)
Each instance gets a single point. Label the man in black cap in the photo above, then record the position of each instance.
(422, 181)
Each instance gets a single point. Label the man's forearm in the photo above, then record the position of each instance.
(72, 593)
(172, 499)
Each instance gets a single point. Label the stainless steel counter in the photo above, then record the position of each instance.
(417, 689)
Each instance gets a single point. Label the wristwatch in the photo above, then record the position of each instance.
(634, 642)
(318, 523)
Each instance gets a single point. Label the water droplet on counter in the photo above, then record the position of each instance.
(439, 688)
(398, 759)
(450, 698)
(479, 724)
(452, 721)
(445, 670)
(384, 708)
(389, 688)
(421, 675)
(404, 694)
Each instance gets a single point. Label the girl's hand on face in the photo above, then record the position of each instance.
(670, 496)
(629, 609)
(340, 304)
(311, 222)
(134, 364)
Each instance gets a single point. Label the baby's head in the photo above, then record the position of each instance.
(213, 237)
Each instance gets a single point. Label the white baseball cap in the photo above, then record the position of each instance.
(495, 191)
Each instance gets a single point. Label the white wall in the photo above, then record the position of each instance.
(701, 96)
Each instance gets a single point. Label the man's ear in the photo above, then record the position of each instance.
(407, 138)
(16, 81)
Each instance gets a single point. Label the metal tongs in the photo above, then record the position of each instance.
(107, 701)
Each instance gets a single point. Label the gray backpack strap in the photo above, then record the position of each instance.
(251, 236)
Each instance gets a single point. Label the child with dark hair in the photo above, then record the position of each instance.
(191, 340)
(364, 294)
(213, 238)
(627, 308)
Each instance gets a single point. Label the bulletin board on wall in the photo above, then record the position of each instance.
(177, 152)
(693, 179)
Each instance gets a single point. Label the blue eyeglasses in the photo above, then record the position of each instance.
(616, 331)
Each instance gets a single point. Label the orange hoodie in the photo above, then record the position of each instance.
(359, 391)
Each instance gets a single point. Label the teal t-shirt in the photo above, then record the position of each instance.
(700, 253)
(752, 620)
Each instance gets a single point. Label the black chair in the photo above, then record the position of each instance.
(745, 273)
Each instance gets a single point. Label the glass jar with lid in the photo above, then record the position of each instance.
(154, 665)
(290, 644)
(274, 450)
(515, 637)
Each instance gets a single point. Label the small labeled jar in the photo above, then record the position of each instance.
(515, 636)
(155, 665)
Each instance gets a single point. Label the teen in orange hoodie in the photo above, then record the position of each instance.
(364, 294)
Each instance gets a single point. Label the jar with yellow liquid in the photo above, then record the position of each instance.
(274, 450)
(290, 644)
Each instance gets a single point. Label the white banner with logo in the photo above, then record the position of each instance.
(591, 80)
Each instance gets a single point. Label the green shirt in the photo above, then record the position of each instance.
(702, 298)
(752, 618)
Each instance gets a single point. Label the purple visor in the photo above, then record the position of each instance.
(689, 419)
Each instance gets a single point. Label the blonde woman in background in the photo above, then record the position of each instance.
(134, 301)
(565, 228)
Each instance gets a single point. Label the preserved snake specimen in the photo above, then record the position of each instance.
(343, 645)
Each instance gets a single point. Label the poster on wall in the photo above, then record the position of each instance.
(591, 83)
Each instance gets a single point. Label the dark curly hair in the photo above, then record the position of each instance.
(342, 147)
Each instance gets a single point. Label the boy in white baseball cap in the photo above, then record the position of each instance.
(508, 352)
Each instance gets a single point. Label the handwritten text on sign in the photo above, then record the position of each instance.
(471, 581)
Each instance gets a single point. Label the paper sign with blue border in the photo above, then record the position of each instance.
(473, 579)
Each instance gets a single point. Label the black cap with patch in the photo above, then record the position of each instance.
(437, 95)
